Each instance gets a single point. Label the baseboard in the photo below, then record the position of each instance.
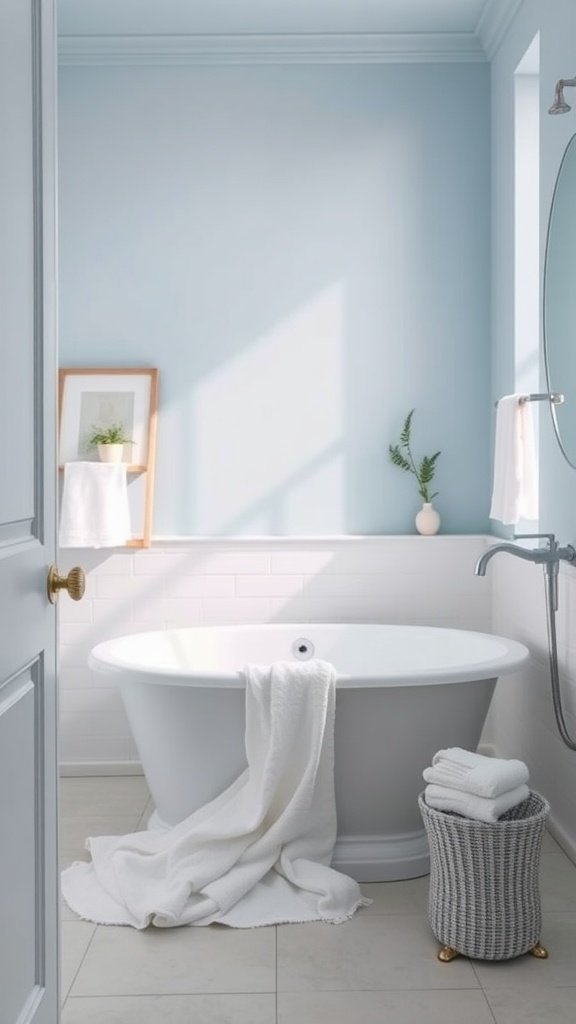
(563, 838)
(382, 858)
(88, 768)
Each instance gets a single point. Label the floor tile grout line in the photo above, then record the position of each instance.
(168, 995)
(400, 913)
(375, 991)
(304, 992)
(68, 819)
(490, 1010)
(143, 815)
(84, 955)
(475, 973)
(555, 985)
(276, 974)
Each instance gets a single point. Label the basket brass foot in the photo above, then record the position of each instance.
(446, 954)
(539, 951)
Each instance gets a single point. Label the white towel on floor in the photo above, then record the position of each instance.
(480, 808)
(259, 853)
(515, 492)
(474, 773)
(94, 512)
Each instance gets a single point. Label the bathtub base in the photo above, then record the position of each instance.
(369, 858)
(391, 858)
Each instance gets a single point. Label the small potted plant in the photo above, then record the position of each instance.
(427, 519)
(110, 442)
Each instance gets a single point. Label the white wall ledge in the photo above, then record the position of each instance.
(272, 540)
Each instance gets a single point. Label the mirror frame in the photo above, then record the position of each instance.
(555, 424)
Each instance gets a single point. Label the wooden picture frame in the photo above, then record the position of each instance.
(90, 397)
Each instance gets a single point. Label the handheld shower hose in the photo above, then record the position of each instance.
(551, 584)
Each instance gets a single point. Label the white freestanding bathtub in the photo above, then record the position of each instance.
(403, 692)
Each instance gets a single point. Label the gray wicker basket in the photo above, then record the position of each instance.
(484, 898)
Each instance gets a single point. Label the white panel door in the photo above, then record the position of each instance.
(28, 834)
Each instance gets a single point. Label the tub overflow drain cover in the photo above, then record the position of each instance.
(303, 649)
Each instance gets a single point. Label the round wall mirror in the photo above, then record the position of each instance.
(559, 303)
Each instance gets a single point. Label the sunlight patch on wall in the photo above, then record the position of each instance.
(269, 423)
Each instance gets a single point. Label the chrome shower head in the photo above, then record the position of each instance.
(560, 106)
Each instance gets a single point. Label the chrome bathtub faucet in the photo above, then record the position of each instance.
(550, 557)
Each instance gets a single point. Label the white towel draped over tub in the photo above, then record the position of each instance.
(94, 511)
(259, 853)
(515, 491)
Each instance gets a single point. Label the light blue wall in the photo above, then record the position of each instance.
(304, 253)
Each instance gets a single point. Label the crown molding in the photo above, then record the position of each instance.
(494, 22)
(333, 48)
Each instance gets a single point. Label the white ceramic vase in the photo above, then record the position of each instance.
(111, 452)
(427, 520)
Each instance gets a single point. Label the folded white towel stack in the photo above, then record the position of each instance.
(481, 808)
(515, 491)
(475, 786)
(474, 773)
(94, 511)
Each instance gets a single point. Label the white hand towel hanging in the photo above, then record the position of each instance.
(515, 492)
(95, 512)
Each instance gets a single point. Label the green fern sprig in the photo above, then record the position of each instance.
(406, 429)
(114, 434)
(401, 456)
(398, 459)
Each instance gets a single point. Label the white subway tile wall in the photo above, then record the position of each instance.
(413, 580)
(521, 721)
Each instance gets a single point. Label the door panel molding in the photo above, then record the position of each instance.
(19, 532)
(22, 729)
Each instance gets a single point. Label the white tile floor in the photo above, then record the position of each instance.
(381, 966)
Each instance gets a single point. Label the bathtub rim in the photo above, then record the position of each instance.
(105, 661)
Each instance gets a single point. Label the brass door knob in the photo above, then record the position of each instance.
(74, 583)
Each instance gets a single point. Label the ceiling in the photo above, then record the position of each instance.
(176, 17)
